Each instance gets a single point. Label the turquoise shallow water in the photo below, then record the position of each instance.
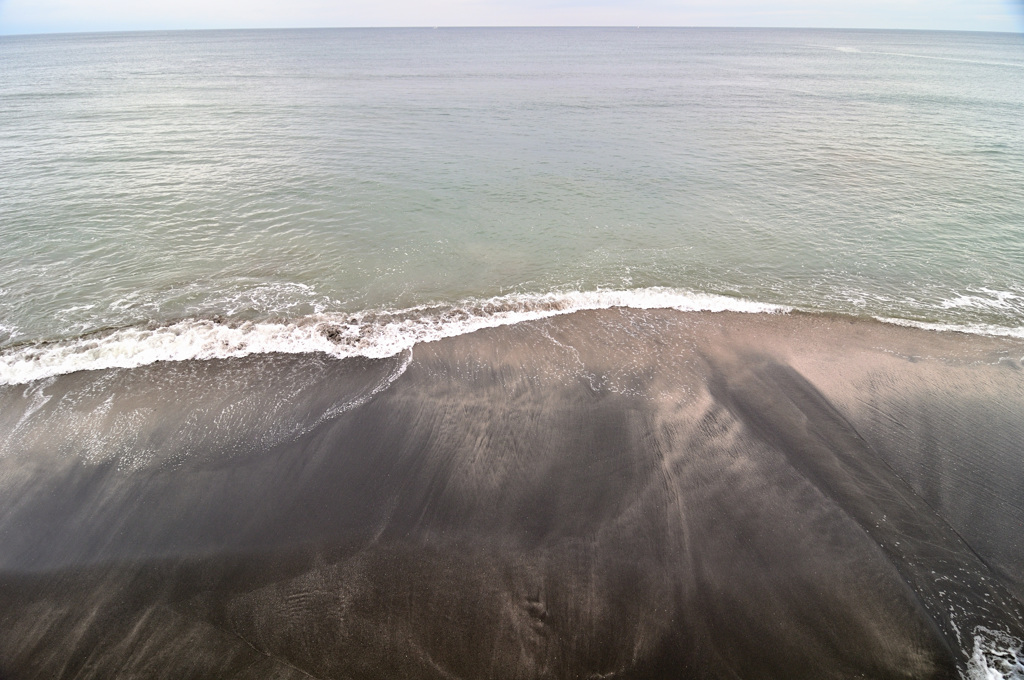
(324, 179)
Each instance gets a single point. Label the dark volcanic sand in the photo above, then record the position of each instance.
(614, 494)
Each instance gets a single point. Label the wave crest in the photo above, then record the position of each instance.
(372, 334)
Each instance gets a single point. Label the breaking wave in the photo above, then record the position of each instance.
(373, 333)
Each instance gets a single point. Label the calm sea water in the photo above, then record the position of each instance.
(184, 194)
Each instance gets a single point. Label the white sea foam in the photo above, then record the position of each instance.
(373, 334)
(970, 328)
(996, 656)
(978, 300)
(986, 299)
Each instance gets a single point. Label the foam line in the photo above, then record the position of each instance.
(373, 333)
(971, 329)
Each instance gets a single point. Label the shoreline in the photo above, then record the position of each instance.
(634, 492)
(378, 333)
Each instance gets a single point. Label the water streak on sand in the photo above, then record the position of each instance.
(615, 492)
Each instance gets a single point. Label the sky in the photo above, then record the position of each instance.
(60, 16)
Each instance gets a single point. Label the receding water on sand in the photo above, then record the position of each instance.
(607, 493)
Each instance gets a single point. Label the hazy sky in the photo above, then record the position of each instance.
(49, 16)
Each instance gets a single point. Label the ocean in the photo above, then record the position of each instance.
(492, 352)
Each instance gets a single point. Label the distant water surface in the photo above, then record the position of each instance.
(310, 180)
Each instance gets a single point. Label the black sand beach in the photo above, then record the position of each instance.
(608, 494)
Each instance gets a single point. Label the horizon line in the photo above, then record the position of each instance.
(507, 27)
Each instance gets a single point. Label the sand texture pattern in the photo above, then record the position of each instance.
(608, 494)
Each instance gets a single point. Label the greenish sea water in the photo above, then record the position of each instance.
(196, 194)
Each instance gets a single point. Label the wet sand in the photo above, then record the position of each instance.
(609, 494)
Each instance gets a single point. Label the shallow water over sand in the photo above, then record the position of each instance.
(616, 493)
